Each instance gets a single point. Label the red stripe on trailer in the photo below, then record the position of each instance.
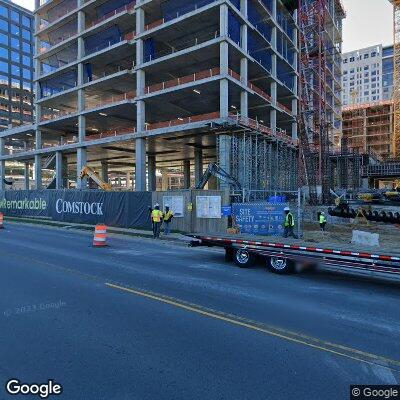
(311, 249)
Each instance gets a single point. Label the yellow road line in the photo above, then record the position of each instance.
(328, 347)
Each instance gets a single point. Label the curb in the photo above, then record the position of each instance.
(86, 227)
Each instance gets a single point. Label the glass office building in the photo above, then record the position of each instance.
(16, 65)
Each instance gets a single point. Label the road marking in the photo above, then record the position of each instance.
(339, 350)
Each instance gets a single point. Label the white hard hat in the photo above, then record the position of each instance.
(322, 213)
(167, 205)
(286, 209)
(156, 205)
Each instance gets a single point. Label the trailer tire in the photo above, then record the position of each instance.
(280, 265)
(244, 258)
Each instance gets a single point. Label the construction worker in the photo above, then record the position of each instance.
(288, 223)
(168, 215)
(156, 219)
(322, 221)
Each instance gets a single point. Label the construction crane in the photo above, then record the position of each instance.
(219, 173)
(396, 79)
(89, 172)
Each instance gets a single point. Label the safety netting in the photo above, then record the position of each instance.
(285, 74)
(103, 39)
(172, 9)
(58, 84)
(257, 18)
(234, 27)
(110, 6)
(258, 49)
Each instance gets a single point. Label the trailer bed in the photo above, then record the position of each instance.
(295, 251)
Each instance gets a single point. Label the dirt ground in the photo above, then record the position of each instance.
(389, 234)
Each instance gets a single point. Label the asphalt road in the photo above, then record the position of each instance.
(145, 319)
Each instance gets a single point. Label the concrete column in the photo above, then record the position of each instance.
(81, 161)
(224, 157)
(2, 164)
(26, 176)
(59, 170)
(224, 98)
(38, 172)
(164, 180)
(243, 7)
(272, 113)
(198, 165)
(104, 171)
(128, 180)
(223, 20)
(151, 172)
(82, 128)
(38, 139)
(140, 172)
(186, 174)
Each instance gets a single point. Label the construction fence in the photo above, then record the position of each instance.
(211, 211)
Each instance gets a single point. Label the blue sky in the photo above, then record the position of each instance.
(368, 22)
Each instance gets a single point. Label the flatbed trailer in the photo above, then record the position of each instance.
(286, 255)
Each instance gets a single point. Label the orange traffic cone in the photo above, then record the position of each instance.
(1, 221)
(100, 236)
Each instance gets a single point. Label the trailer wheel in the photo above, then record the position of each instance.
(243, 258)
(280, 265)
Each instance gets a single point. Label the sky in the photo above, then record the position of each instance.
(368, 22)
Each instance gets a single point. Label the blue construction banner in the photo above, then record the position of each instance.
(259, 218)
(121, 209)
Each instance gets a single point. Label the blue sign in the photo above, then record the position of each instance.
(226, 211)
(259, 218)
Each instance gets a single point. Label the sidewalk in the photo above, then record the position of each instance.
(176, 237)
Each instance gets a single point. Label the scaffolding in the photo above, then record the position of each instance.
(320, 40)
(261, 161)
(396, 82)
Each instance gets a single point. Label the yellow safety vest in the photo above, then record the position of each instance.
(156, 215)
(322, 219)
(168, 216)
(288, 221)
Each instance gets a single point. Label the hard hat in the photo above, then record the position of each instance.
(156, 205)
(286, 209)
(167, 205)
(322, 213)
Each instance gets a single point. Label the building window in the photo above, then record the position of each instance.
(3, 53)
(345, 61)
(366, 67)
(4, 11)
(4, 67)
(26, 47)
(26, 22)
(3, 39)
(26, 73)
(366, 56)
(15, 29)
(3, 25)
(15, 83)
(26, 61)
(15, 16)
(15, 56)
(15, 70)
(351, 59)
(4, 80)
(373, 54)
(15, 43)
(26, 34)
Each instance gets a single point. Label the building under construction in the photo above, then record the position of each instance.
(132, 88)
(368, 128)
